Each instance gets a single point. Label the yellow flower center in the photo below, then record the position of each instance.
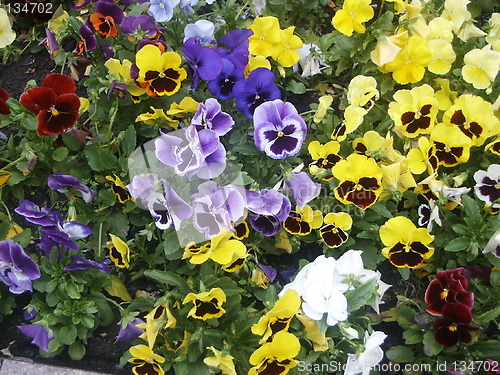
(452, 328)
(54, 112)
(280, 134)
(444, 294)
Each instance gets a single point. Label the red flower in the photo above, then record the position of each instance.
(4, 109)
(448, 286)
(454, 327)
(55, 104)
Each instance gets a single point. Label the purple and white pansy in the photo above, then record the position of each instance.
(488, 185)
(17, 269)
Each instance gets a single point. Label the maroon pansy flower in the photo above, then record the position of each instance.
(448, 286)
(55, 104)
(4, 108)
(454, 326)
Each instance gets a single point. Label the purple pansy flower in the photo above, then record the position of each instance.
(29, 314)
(88, 41)
(303, 189)
(62, 182)
(50, 43)
(41, 336)
(202, 30)
(237, 51)
(210, 116)
(204, 62)
(270, 272)
(108, 8)
(258, 88)
(488, 185)
(80, 263)
(36, 215)
(268, 209)
(216, 208)
(50, 238)
(168, 209)
(162, 10)
(222, 86)
(130, 331)
(142, 188)
(75, 230)
(17, 269)
(133, 25)
(279, 130)
(199, 153)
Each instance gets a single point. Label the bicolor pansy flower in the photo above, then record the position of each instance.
(324, 158)
(454, 326)
(405, 244)
(360, 181)
(494, 146)
(241, 230)
(106, 18)
(474, 117)
(279, 317)
(158, 318)
(236, 263)
(17, 269)
(119, 252)
(277, 356)
(362, 92)
(207, 305)
(414, 111)
(119, 189)
(488, 185)
(451, 146)
(448, 286)
(279, 129)
(334, 232)
(159, 72)
(423, 158)
(303, 220)
(145, 361)
(353, 118)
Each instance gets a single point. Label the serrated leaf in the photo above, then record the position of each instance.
(412, 336)
(296, 87)
(458, 244)
(245, 149)
(382, 210)
(71, 142)
(400, 353)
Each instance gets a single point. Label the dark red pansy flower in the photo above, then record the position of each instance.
(454, 326)
(4, 108)
(55, 104)
(448, 286)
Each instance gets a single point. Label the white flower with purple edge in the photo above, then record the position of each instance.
(279, 130)
(488, 185)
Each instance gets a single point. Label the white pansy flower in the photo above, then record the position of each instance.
(364, 361)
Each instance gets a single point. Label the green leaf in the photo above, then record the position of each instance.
(399, 353)
(382, 210)
(404, 272)
(245, 149)
(76, 351)
(431, 347)
(71, 142)
(167, 278)
(60, 154)
(458, 244)
(488, 316)
(100, 159)
(488, 349)
(471, 207)
(67, 334)
(129, 140)
(4, 229)
(461, 229)
(87, 321)
(412, 336)
(296, 87)
(360, 296)
(72, 290)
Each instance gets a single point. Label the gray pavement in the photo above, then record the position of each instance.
(21, 366)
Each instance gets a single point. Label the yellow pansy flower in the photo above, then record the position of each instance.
(221, 361)
(207, 305)
(276, 356)
(157, 117)
(352, 16)
(119, 252)
(266, 35)
(7, 35)
(145, 361)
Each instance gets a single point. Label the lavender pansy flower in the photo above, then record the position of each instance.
(488, 185)
(75, 230)
(168, 209)
(143, 187)
(303, 189)
(204, 62)
(222, 86)
(80, 263)
(210, 116)
(162, 10)
(62, 182)
(130, 331)
(258, 88)
(268, 209)
(17, 269)
(50, 238)
(202, 30)
(279, 130)
(216, 208)
(133, 25)
(36, 215)
(41, 336)
(237, 44)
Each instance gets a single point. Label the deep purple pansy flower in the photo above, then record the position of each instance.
(258, 88)
(222, 86)
(36, 215)
(270, 272)
(50, 238)
(133, 25)
(237, 44)
(40, 335)
(204, 62)
(80, 263)
(17, 269)
(50, 43)
(267, 210)
(216, 208)
(61, 183)
(210, 116)
(30, 314)
(88, 41)
(130, 331)
(279, 130)
(488, 185)
(303, 189)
